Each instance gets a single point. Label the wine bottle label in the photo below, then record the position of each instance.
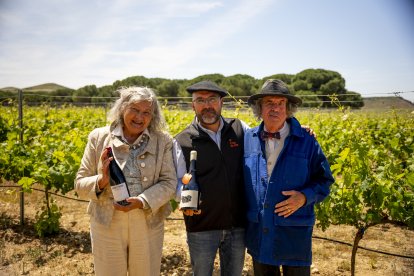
(120, 192)
(189, 199)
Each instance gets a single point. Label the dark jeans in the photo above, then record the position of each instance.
(274, 270)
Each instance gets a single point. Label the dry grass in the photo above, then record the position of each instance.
(69, 252)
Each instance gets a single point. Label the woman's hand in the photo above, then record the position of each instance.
(134, 203)
(103, 179)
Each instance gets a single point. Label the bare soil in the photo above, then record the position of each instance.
(69, 252)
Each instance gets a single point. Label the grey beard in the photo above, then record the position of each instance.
(209, 120)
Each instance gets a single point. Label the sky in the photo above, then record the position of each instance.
(76, 43)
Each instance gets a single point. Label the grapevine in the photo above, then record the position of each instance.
(370, 153)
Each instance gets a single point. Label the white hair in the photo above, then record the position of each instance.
(132, 95)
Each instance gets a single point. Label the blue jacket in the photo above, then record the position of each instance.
(301, 166)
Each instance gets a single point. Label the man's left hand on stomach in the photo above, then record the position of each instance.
(294, 201)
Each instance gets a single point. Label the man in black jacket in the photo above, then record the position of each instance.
(219, 145)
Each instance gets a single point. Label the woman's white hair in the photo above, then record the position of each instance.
(132, 95)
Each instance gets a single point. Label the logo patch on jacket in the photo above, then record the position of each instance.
(233, 144)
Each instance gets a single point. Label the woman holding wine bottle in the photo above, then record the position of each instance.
(128, 175)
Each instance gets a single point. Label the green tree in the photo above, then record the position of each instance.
(62, 95)
(286, 78)
(308, 100)
(240, 85)
(168, 88)
(107, 91)
(84, 94)
(321, 82)
(353, 99)
(217, 78)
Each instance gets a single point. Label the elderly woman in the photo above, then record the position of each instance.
(128, 239)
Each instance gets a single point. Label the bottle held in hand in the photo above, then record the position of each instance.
(190, 195)
(117, 181)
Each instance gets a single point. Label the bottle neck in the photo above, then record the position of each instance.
(192, 166)
(110, 154)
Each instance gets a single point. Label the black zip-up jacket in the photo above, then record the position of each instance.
(219, 175)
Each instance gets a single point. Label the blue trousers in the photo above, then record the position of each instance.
(203, 247)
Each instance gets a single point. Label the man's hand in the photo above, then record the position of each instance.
(309, 130)
(287, 207)
(185, 180)
(191, 213)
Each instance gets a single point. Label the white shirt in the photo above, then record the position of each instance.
(273, 148)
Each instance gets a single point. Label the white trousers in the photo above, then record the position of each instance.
(128, 246)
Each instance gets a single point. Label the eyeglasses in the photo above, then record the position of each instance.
(210, 100)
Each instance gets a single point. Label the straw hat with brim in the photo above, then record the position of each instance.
(274, 88)
(207, 86)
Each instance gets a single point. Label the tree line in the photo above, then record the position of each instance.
(316, 87)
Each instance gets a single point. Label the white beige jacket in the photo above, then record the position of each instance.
(157, 171)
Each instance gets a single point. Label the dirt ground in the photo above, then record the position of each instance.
(69, 252)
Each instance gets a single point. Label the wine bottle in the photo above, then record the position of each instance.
(117, 181)
(190, 195)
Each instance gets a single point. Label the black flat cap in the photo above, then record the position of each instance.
(274, 88)
(207, 86)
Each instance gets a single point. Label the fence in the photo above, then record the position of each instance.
(314, 236)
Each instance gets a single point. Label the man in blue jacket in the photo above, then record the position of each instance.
(286, 173)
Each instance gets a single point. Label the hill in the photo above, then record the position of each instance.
(387, 103)
(9, 89)
(46, 87)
